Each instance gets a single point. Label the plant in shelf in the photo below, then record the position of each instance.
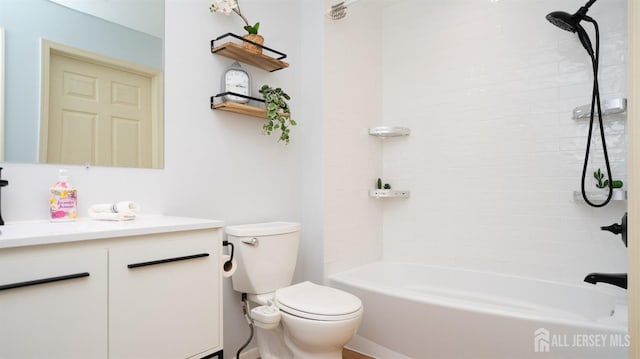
(227, 7)
(604, 183)
(278, 113)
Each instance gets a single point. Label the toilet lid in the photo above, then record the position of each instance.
(312, 301)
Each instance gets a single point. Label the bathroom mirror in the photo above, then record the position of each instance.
(129, 33)
(1, 93)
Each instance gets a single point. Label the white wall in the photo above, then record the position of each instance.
(218, 164)
(494, 156)
(352, 158)
(487, 89)
(142, 15)
(311, 150)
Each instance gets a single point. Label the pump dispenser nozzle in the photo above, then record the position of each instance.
(3, 183)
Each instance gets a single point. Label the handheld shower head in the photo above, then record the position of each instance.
(564, 20)
(569, 22)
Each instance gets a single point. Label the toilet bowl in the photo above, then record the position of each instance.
(300, 321)
(305, 320)
(318, 321)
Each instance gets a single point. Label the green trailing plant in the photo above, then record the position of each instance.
(604, 183)
(278, 112)
(387, 186)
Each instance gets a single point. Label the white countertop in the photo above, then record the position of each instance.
(29, 233)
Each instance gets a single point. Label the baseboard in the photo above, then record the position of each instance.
(348, 353)
(364, 346)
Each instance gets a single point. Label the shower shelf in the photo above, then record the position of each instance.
(238, 52)
(389, 131)
(388, 193)
(600, 196)
(609, 107)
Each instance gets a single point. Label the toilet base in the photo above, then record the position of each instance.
(291, 342)
(298, 353)
(309, 339)
(271, 344)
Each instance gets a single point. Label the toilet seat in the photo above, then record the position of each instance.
(312, 301)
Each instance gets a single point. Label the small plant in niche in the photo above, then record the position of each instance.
(228, 6)
(604, 183)
(278, 113)
(380, 186)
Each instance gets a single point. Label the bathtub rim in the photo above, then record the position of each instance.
(547, 317)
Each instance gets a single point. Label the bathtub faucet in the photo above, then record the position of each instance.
(619, 228)
(617, 279)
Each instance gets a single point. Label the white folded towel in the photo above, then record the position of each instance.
(118, 207)
(119, 211)
(104, 216)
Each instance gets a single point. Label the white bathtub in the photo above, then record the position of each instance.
(424, 311)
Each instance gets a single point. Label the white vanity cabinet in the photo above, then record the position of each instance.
(149, 288)
(53, 303)
(157, 296)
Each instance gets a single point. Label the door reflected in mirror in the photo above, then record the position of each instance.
(62, 105)
(98, 110)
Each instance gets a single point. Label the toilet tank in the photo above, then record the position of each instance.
(266, 255)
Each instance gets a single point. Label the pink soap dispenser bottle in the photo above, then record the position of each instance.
(63, 202)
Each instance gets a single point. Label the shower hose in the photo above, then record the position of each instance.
(595, 101)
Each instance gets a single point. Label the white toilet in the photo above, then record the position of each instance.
(303, 320)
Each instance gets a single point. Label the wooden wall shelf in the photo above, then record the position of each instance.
(240, 108)
(237, 52)
(218, 103)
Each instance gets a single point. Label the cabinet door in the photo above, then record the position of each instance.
(164, 297)
(53, 304)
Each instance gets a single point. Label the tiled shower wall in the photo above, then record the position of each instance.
(487, 88)
(351, 159)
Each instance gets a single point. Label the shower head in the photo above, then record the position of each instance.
(564, 20)
(569, 22)
(339, 10)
